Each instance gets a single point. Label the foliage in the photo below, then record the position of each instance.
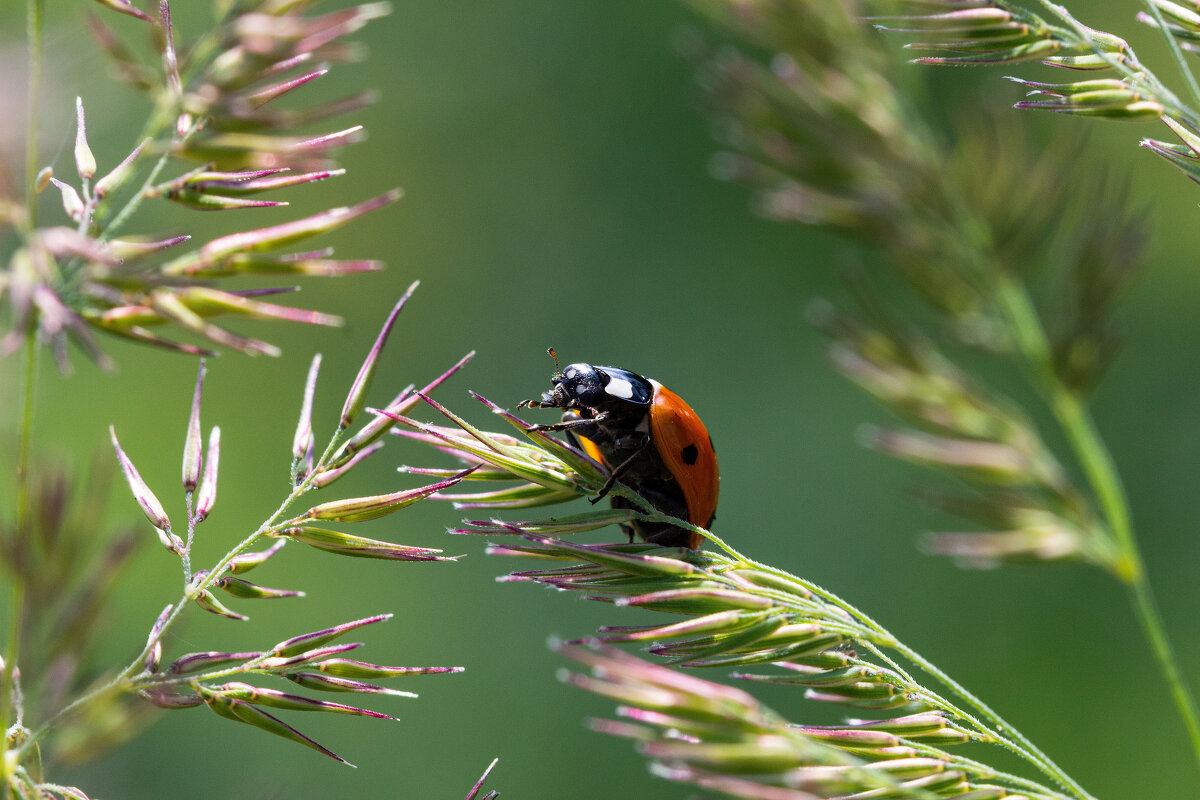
(212, 104)
(999, 254)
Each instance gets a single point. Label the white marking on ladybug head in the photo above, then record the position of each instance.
(619, 387)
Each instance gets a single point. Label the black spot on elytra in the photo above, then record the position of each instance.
(689, 454)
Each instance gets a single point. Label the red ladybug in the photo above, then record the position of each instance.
(648, 437)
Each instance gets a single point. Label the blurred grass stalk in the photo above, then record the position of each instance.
(210, 103)
(827, 137)
(35, 24)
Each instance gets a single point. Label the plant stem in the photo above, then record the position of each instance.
(1010, 736)
(35, 22)
(1033, 788)
(1006, 734)
(132, 205)
(1131, 69)
(1173, 46)
(119, 683)
(1101, 472)
(29, 369)
(16, 611)
(163, 116)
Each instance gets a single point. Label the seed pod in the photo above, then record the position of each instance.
(85, 162)
(241, 711)
(361, 509)
(119, 173)
(346, 544)
(198, 662)
(206, 495)
(307, 641)
(303, 441)
(192, 444)
(248, 561)
(149, 504)
(249, 591)
(154, 656)
(208, 601)
(72, 202)
(126, 7)
(357, 398)
(327, 683)
(259, 696)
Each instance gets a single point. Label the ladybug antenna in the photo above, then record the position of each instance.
(554, 355)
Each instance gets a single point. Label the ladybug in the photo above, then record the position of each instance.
(649, 439)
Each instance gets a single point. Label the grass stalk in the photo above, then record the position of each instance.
(1130, 68)
(35, 23)
(16, 611)
(1009, 736)
(118, 683)
(1176, 51)
(160, 119)
(132, 204)
(1097, 464)
(1006, 734)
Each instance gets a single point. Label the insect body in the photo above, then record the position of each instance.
(648, 437)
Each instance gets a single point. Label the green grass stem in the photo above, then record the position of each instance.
(1005, 734)
(1097, 463)
(120, 682)
(35, 21)
(1176, 51)
(16, 611)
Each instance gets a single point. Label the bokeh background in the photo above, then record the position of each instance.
(554, 157)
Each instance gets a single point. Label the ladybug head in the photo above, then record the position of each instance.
(576, 385)
(583, 386)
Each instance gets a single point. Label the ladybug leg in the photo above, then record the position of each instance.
(616, 474)
(568, 424)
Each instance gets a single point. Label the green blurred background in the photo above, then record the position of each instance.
(554, 161)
